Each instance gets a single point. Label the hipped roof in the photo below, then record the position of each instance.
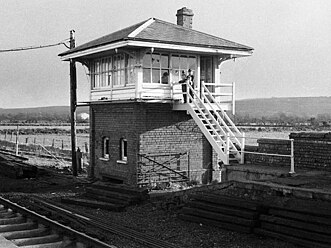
(155, 30)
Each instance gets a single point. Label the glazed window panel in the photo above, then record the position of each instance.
(153, 67)
(117, 70)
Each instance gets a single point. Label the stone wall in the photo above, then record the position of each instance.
(312, 150)
(271, 146)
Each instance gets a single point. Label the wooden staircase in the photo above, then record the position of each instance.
(216, 125)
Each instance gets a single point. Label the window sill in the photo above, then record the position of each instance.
(104, 159)
(121, 162)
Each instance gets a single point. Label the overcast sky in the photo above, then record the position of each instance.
(291, 38)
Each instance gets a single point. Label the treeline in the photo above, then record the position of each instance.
(284, 119)
(38, 118)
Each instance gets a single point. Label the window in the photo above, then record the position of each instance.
(156, 68)
(116, 70)
(182, 63)
(123, 149)
(105, 147)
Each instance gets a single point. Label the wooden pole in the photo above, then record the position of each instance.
(73, 104)
(16, 142)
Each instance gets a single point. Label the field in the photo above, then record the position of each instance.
(47, 136)
(57, 139)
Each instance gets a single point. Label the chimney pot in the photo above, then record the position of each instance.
(185, 17)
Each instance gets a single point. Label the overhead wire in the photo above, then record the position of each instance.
(34, 47)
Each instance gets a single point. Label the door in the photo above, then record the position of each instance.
(207, 73)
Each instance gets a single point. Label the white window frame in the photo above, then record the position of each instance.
(123, 150)
(112, 71)
(105, 148)
(172, 77)
(162, 69)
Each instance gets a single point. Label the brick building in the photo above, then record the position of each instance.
(142, 130)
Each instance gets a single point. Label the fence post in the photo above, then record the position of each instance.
(53, 143)
(62, 145)
(16, 142)
(242, 154)
(6, 135)
(292, 157)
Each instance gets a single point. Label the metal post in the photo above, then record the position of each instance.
(73, 104)
(292, 157)
(242, 154)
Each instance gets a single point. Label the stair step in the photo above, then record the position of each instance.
(141, 192)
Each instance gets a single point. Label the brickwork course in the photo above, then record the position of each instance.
(148, 129)
(311, 150)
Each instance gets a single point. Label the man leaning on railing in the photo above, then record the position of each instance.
(187, 79)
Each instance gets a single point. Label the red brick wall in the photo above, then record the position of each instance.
(150, 128)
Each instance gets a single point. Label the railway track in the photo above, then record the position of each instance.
(103, 225)
(21, 227)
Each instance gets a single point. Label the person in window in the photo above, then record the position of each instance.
(184, 86)
(165, 78)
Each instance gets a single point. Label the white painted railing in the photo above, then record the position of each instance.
(243, 152)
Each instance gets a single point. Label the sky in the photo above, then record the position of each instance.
(291, 41)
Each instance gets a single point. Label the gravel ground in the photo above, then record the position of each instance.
(147, 218)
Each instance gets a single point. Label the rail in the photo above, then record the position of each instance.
(243, 140)
(92, 242)
(105, 225)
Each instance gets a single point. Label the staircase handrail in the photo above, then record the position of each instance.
(223, 113)
(193, 100)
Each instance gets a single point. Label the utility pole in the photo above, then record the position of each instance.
(73, 105)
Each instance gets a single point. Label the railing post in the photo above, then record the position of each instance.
(292, 157)
(242, 154)
(227, 149)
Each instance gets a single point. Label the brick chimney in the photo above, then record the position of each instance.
(184, 17)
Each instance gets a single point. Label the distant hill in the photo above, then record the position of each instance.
(290, 106)
(40, 114)
(60, 110)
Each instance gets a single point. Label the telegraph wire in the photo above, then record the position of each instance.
(19, 49)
